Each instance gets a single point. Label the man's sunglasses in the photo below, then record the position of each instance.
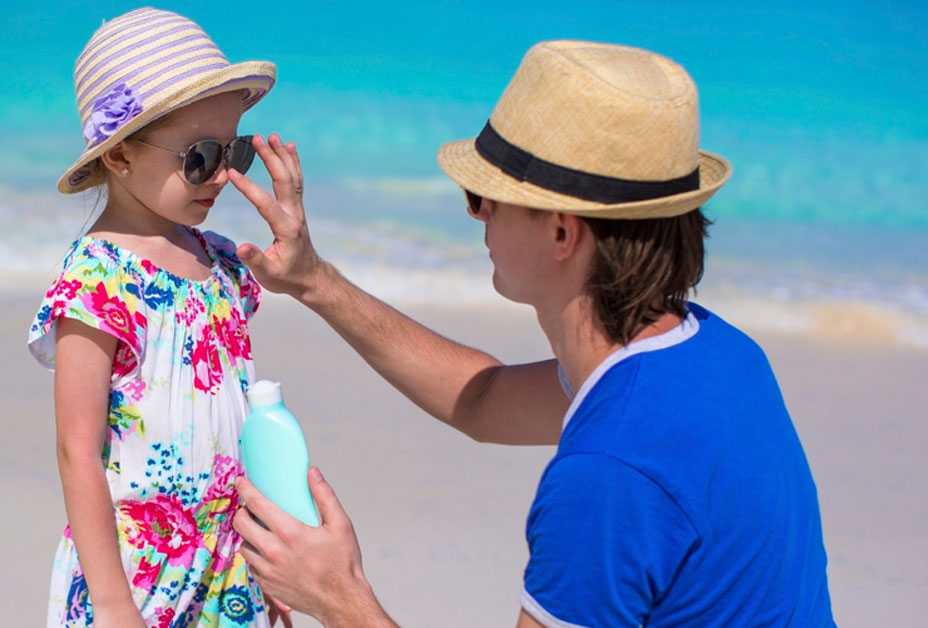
(202, 159)
(473, 203)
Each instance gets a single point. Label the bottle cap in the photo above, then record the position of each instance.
(264, 393)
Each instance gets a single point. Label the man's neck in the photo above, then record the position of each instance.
(581, 344)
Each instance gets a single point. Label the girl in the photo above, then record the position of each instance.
(146, 328)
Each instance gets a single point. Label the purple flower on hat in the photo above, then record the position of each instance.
(110, 111)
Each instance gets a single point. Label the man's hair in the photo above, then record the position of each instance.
(643, 269)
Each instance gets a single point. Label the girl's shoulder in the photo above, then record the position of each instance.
(223, 247)
(90, 262)
(98, 287)
(222, 250)
(89, 255)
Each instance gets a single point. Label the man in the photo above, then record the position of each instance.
(679, 494)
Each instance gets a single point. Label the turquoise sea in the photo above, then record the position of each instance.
(821, 107)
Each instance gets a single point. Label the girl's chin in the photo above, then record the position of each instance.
(196, 213)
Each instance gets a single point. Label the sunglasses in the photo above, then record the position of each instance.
(473, 203)
(202, 159)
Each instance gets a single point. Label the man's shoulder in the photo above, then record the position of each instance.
(692, 399)
(719, 356)
(717, 332)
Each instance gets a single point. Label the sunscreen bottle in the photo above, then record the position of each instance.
(274, 453)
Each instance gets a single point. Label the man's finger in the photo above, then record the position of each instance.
(280, 605)
(254, 259)
(280, 175)
(330, 509)
(262, 201)
(291, 148)
(285, 157)
(264, 509)
(252, 531)
(259, 565)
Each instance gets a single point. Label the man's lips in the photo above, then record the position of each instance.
(205, 202)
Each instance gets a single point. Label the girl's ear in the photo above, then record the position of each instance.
(117, 160)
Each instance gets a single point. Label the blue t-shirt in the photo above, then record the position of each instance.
(679, 494)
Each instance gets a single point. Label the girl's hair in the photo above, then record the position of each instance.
(643, 269)
(97, 167)
(100, 174)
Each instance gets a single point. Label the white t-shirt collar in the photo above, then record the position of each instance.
(681, 333)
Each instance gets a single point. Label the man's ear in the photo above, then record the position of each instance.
(568, 231)
(117, 160)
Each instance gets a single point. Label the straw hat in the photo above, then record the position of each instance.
(592, 129)
(141, 66)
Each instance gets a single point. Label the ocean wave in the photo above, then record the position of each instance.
(385, 236)
(427, 187)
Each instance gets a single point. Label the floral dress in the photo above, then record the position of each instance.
(177, 402)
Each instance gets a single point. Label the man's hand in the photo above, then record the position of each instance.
(277, 610)
(290, 264)
(312, 570)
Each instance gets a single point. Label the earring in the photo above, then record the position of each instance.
(125, 171)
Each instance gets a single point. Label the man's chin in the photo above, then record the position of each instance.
(506, 292)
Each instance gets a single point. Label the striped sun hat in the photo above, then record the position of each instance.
(141, 66)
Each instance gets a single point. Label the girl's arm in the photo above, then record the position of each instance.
(84, 359)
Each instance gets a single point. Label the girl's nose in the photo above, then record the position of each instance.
(222, 175)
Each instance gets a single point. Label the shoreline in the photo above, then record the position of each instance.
(851, 321)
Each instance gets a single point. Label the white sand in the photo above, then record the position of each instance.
(441, 518)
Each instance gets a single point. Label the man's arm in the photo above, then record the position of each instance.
(466, 388)
(527, 621)
(316, 571)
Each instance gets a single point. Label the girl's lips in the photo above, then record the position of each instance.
(205, 202)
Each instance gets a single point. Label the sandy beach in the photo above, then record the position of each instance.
(441, 518)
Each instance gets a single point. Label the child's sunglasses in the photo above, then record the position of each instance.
(202, 159)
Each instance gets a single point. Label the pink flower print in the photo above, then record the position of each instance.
(228, 543)
(164, 616)
(220, 501)
(193, 307)
(164, 525)
(135, 389)
(59, 309)
(225, 471)
(250, 292)
(114, 315)
(124, 362)
(63, 287)
(207, 370)
(146, 575)
(233, 335)
(150, 268)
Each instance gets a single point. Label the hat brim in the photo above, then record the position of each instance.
(466, 167)
(257, 77)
